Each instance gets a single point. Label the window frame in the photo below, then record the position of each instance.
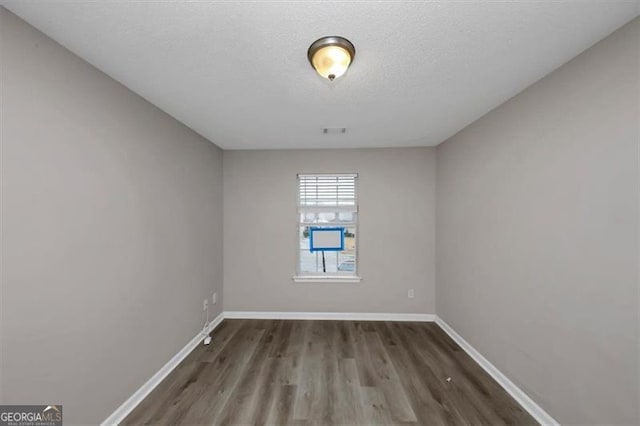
(338, 276)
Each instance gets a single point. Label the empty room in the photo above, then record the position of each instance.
(319, 212)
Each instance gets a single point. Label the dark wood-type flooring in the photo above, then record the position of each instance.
(329, 373)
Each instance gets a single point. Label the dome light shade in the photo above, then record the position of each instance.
(331, 56)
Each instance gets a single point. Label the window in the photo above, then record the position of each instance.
(327, 208)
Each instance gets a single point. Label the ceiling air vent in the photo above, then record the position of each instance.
(334, 130)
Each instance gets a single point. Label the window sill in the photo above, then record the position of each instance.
(326, 279)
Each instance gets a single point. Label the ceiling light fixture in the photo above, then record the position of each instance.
(331, 56)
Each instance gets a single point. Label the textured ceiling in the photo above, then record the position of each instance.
(237, 72)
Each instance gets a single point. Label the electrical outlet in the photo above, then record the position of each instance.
(205, 304)
(410, 294)
(214, 298)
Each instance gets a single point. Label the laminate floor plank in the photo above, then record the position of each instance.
(348, 395)
(426, 405)
(279, 372)
(366, 370)
(281, 410)
(388, 381)
(221, 376)
(309, 368)
(241, 406)
(375, 407)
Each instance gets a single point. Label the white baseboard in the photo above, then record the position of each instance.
(127, 407)
(518, 394)
(338, 316)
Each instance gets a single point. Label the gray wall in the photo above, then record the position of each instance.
(111, 231)
(396, 241)
(537, 235)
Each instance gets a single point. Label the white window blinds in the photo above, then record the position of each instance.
(327, 191)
